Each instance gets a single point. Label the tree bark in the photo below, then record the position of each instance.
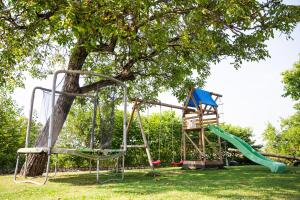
(36, 162)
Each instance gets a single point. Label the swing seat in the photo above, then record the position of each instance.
(156, 162)
(177, 164)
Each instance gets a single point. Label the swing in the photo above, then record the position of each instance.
(158, 162)
(174, 163)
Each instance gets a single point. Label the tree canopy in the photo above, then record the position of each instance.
(152, 44)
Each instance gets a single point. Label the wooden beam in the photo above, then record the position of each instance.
(153, 102)
(131, 117)
(216, 94)
(269, 154)
(209, 110)
(187, 101)
(202, 154)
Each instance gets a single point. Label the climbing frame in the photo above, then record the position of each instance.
(195, 122)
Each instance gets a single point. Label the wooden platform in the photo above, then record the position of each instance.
(199, 164)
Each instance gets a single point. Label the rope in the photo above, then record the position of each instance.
(172, 139)
(159, 133)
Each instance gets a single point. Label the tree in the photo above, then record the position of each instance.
(291, 81)
(290, 138)
(10, 133)
(285, 141)
(152, 45)
(271, 136)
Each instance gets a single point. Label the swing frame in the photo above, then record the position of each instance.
(136, 109)
(201, 111)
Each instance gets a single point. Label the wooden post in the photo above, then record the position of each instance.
(202, 132)
(219, 139)
(144, 138)
(131, 116)
(200, 135)
(183, 132)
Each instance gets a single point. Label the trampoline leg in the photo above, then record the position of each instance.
(90, 168)
(97, 171)
(55, 165)
(123, 166)
(47, 170)
(30, 181)
(117, 165)
(16, 169)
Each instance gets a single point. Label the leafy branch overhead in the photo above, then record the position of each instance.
(153, 45)
(291, 80)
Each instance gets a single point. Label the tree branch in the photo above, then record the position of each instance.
(107, 47)
(48, 14)
(125, 75)
(104, 83)
(13, 21)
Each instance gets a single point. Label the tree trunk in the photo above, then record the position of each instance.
(36, 163)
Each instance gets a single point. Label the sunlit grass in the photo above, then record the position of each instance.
(246, 182)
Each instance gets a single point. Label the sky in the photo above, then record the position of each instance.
(252, 95)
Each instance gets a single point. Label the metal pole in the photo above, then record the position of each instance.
(30, 118)
(51, 128)
(16, 169)
(28, 128)
(123, 165)
(97, 171)
(125, 121)
(93, 124)
(93, 128)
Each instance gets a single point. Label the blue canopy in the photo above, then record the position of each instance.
(202, 96)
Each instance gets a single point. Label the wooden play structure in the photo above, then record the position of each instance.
(195, 121)
(201, 134)
(200, 109)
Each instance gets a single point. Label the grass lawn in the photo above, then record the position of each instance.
(243, 182)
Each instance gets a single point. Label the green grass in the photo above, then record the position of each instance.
(245, 182)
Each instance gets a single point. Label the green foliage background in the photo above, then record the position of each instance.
(12, 131)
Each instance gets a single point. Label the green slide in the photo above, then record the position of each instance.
(247, 150)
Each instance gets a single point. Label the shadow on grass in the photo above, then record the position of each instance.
(232, 183)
